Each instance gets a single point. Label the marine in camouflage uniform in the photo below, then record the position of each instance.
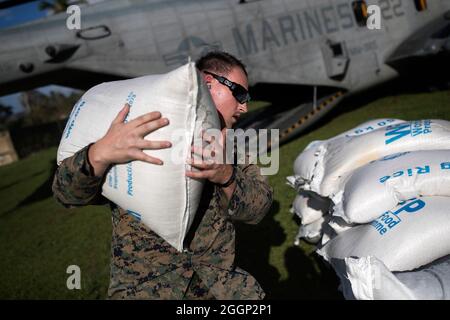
(145, 266)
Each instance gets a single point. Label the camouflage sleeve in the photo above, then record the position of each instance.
(75, 184)
(252, 198)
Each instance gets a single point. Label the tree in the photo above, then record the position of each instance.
(42, 108)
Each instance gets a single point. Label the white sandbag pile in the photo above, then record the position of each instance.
(389, 218)
(337, 158)
(368, 278)
(382, 184)
(312, 232)
(309, 206)
(160, 196)
(413, 234)
(311, 209)
(310, 160)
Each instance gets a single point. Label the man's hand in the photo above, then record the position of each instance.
(216, 173)
(210, 164)
(124, 142)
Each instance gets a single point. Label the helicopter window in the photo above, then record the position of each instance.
(360, 12)
(421, 5)
(94, 33)
(337, 49)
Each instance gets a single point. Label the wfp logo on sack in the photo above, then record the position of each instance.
(388, 220)
(413, 129)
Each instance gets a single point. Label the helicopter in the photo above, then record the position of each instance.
(306, 55)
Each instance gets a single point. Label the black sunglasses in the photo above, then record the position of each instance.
(238, 91)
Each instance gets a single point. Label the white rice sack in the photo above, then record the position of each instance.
(369, 279)
(333, 227)
(382, 184)
(160, 196)
(328, 233)
(429, 282)
(413, 234)
(307, 160)
(336, 159)
(339, 225)
(309, 206)
(369, 126)
(312, 232)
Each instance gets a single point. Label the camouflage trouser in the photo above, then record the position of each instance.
(236, 285)
(197, 290)
(163, 288)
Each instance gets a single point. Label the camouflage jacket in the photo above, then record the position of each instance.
(144, 266)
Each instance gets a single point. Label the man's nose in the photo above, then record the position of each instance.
(243, 107)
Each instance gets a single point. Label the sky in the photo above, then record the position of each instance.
(20, 14)
(17, 15)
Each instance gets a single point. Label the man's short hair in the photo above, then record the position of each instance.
(219, 62)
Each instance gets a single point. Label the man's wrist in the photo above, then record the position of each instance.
(231, 179)
(97, 163)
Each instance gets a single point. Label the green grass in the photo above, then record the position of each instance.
(39, 238)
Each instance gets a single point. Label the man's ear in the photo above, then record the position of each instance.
(207, 78)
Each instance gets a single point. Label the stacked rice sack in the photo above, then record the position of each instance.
(309, 205)
(388, 222)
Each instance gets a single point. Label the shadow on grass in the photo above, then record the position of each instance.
(309, 278)
(253, 244)
(7, 186)
(305, 279)
(42, 192)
